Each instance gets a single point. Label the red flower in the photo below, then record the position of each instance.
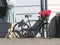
(45, 13)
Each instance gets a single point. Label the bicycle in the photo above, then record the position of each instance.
(26, 30)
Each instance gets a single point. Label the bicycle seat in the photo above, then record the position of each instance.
(27, 16)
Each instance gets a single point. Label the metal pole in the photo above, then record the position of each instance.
(42, 8)
(47, 30)
(46, 5)
(42, 5)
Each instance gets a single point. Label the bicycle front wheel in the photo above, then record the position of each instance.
(20, 29)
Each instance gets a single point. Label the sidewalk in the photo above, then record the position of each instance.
(30, 41)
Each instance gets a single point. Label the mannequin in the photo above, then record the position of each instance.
(10, 17)
(10, 12)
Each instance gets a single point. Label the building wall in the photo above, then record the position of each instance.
(24, 7)
(54, 6)
(33, 6)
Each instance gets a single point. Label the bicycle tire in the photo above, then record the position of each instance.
(52, 28)
(20, 32)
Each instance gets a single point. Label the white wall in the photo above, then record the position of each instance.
(26, 7)
(27, 2)
(54, 6)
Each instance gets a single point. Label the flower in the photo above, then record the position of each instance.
(45, 13)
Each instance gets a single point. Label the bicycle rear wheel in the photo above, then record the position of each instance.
(20, 29)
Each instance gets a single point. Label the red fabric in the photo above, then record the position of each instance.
(45, 13)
